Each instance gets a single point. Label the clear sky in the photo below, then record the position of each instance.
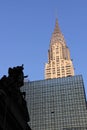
(26, 27)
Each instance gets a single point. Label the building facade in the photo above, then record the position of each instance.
(59, 61)
(57, 104)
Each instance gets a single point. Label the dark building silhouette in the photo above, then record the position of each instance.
(13, 109)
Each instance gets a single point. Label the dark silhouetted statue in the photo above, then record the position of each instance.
(11, 85)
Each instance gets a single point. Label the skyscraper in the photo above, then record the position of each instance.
(57, 104)
(59, 62)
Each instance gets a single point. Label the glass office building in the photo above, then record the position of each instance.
(57, 104)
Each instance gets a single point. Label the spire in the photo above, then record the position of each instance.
(59, 62)
(57, 35)
(57, 29)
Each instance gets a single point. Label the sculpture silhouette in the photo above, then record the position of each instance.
(11, 85)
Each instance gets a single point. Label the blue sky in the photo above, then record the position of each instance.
(26, 27)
